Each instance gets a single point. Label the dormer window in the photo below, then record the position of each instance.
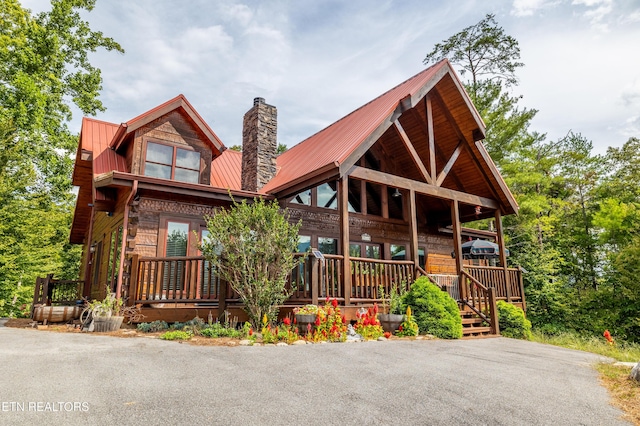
(172, 162)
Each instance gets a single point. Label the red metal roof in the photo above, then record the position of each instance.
(95, 137)
(226, 170)
(334, 144)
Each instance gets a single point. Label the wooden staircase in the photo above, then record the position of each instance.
(473, 325)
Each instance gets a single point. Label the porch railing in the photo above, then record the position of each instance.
(49, 291)
(479, 299)
(369, 275)
(507, 283)
(187, 279)
(157, 280)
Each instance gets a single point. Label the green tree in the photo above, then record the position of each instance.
(483, 50)
(251, 247)
(44, 70)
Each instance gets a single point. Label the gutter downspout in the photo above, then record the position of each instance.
(125, 232)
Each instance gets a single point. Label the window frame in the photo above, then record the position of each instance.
(173, 164)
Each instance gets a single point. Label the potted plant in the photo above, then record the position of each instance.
(391, 316)
(305, 318)
(107, 313)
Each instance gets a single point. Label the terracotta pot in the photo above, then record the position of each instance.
(390, 322)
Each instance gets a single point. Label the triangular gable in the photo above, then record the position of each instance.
(179, 102)
(335, 149)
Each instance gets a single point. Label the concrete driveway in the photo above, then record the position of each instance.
(73, 379)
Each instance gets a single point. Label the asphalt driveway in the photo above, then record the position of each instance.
(72, 379)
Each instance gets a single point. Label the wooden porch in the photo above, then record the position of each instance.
(180, 288)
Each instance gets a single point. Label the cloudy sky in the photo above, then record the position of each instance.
(317, 60)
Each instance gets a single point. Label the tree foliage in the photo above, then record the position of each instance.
(44, 71)
(251, 247)
(576, 234)
(483, 50)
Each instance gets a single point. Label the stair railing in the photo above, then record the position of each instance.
(480, 299)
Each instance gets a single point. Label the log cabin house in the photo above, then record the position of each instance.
(382, 193)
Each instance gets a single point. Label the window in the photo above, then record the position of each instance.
(303, 198)
(171, 162)
(304, 242)
(328, 245)
(327, 196)
(177, 236)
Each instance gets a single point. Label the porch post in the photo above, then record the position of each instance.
(503, 253)
(457, 246)
(413, 223)
(343, 193)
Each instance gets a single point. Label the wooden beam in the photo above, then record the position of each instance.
(343, 206)
(467, 144)
(412, 152)
(503, 252)
(423, 126)
(457, 236)
(413, 226)
(447, 168)
(421, 187)
(432, 142)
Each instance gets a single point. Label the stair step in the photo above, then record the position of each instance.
(476, 320)
(476, 330)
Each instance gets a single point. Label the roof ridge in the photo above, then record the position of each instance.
(100, 121)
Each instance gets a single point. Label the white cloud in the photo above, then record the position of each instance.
(598, 11)
(530, 7)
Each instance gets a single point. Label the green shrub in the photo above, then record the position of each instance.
(152, 327)
(176, 335)
(220, 330)
(512, 321)
(433, 309)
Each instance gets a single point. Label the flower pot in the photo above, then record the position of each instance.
(105, 324)
(303, 321)
(390, 322)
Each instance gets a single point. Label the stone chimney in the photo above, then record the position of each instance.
(259, 145)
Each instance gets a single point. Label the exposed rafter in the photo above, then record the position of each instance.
(447, 168)
(412, 151)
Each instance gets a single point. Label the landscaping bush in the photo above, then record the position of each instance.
(512, 321)
(152, 327)
(433, 309)
(176, 335)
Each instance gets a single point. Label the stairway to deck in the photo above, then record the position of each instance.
(473, 325)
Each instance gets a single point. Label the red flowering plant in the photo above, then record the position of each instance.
(608, 337)
(368, 325)
(330, 324)
(285, 332)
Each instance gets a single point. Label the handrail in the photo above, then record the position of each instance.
(381, 261)
(480, 299)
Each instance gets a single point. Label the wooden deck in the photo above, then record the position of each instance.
(180, 288)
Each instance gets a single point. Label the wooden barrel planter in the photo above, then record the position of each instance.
(303, 321)
(56, 313)
(390, 322)
(105, 324)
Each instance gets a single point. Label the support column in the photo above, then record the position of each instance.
(457, 246)
(413, 226)
(503, 253)
(457, 236)
(343, 193)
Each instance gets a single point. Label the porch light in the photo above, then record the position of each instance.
(396, 194)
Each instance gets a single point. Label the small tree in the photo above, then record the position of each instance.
(251, 246)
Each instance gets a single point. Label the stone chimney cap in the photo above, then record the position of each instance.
(258, 101)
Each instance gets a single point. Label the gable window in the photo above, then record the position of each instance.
(172, 162)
